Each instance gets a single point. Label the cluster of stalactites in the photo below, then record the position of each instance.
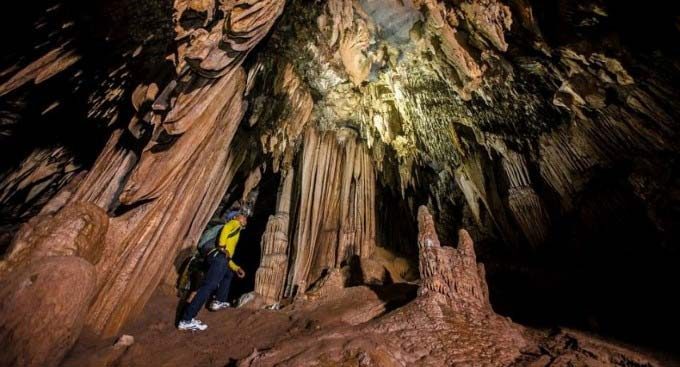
(215, 51)
(486, 21)
(284, 138)
(336, 214)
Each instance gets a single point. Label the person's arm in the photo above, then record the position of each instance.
(233, 266)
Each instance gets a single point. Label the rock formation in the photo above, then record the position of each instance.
(49, 270)
(271, 275)
(172, 195)
(450, 323)
(336, 217)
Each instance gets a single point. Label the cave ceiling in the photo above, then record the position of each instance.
(468, 100)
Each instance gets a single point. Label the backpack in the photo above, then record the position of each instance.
(192, 274)
(208, 240)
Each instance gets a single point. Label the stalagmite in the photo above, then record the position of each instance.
(271, 275)
(51, 271)
(452, 273)
(451, 322)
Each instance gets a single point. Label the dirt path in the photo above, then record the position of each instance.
(232, 334)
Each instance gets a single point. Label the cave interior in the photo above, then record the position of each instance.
(542, 135)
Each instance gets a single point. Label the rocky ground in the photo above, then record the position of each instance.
(233, 334)
(239, 334)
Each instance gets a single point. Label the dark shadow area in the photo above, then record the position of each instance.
(572, 20)
(605, 269)
(248, 249)
(395, 295)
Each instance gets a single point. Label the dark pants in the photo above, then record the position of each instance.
(217, 280)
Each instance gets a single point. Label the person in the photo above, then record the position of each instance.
(221, 269)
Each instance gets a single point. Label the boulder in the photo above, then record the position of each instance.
(41, 310)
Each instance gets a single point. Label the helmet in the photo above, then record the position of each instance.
(246, 211)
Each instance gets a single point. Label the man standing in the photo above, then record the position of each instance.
(221, 269)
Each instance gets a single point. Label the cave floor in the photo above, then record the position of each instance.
(231, 335)
(237, 333)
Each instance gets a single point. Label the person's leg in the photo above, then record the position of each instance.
(223, 291)
(217, 267)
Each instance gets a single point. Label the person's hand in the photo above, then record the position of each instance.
(240, 273)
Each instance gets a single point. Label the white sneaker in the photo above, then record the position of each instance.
(217, 305)
(193, 325)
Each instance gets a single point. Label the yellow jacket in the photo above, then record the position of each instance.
(228, 240)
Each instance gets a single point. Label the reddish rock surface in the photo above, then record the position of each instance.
(41, 309)
(356, 326)
(47, 283)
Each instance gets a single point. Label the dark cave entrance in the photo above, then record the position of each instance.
(396, 223)
(248, 251)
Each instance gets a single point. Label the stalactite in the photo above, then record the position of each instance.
(103, 183)
(216, 52)
(525, 205)
(570, 153)
(271, 275)
(336, 219)
(152, 233)
(467, 70)
(283, 140)
(38, 176)
(490, 18)
(45, 67)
